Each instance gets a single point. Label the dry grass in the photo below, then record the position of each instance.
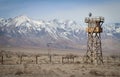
(29, 68)
(97, 72)
(58, 70)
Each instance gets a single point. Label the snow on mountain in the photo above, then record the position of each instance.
(2, 22)
(47, 31)
(112, 29)
(62, 32)
(1, 19)
(56, 28)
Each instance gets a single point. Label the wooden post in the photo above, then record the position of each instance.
(36, 59)
(68, 60)
(73, 59)
(108, 60)
(2, 60)
(50, 58)
(2, 53)
(21, 59)
(62, 60)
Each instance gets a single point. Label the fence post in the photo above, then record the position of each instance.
(21, 59)
(50, 58)
(2, 60)
(36, 59)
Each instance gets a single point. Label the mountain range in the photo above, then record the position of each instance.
(22, 31)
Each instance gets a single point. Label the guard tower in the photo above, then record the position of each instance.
(94, 30)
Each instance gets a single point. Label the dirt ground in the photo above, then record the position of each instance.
(59, 70)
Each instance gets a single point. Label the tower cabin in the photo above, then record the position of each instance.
(94, 25)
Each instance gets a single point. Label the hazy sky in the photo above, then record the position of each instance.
(61, 9)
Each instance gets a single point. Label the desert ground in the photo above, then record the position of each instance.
(31, 63)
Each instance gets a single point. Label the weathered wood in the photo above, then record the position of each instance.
(21, 59)
(2, 60)
(36, 59)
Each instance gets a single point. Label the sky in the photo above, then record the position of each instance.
(61, 9)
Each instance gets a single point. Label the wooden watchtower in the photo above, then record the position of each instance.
(94, 30)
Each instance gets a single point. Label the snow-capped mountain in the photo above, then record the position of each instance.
(39, 31)
(112, 30)
(24, 31)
